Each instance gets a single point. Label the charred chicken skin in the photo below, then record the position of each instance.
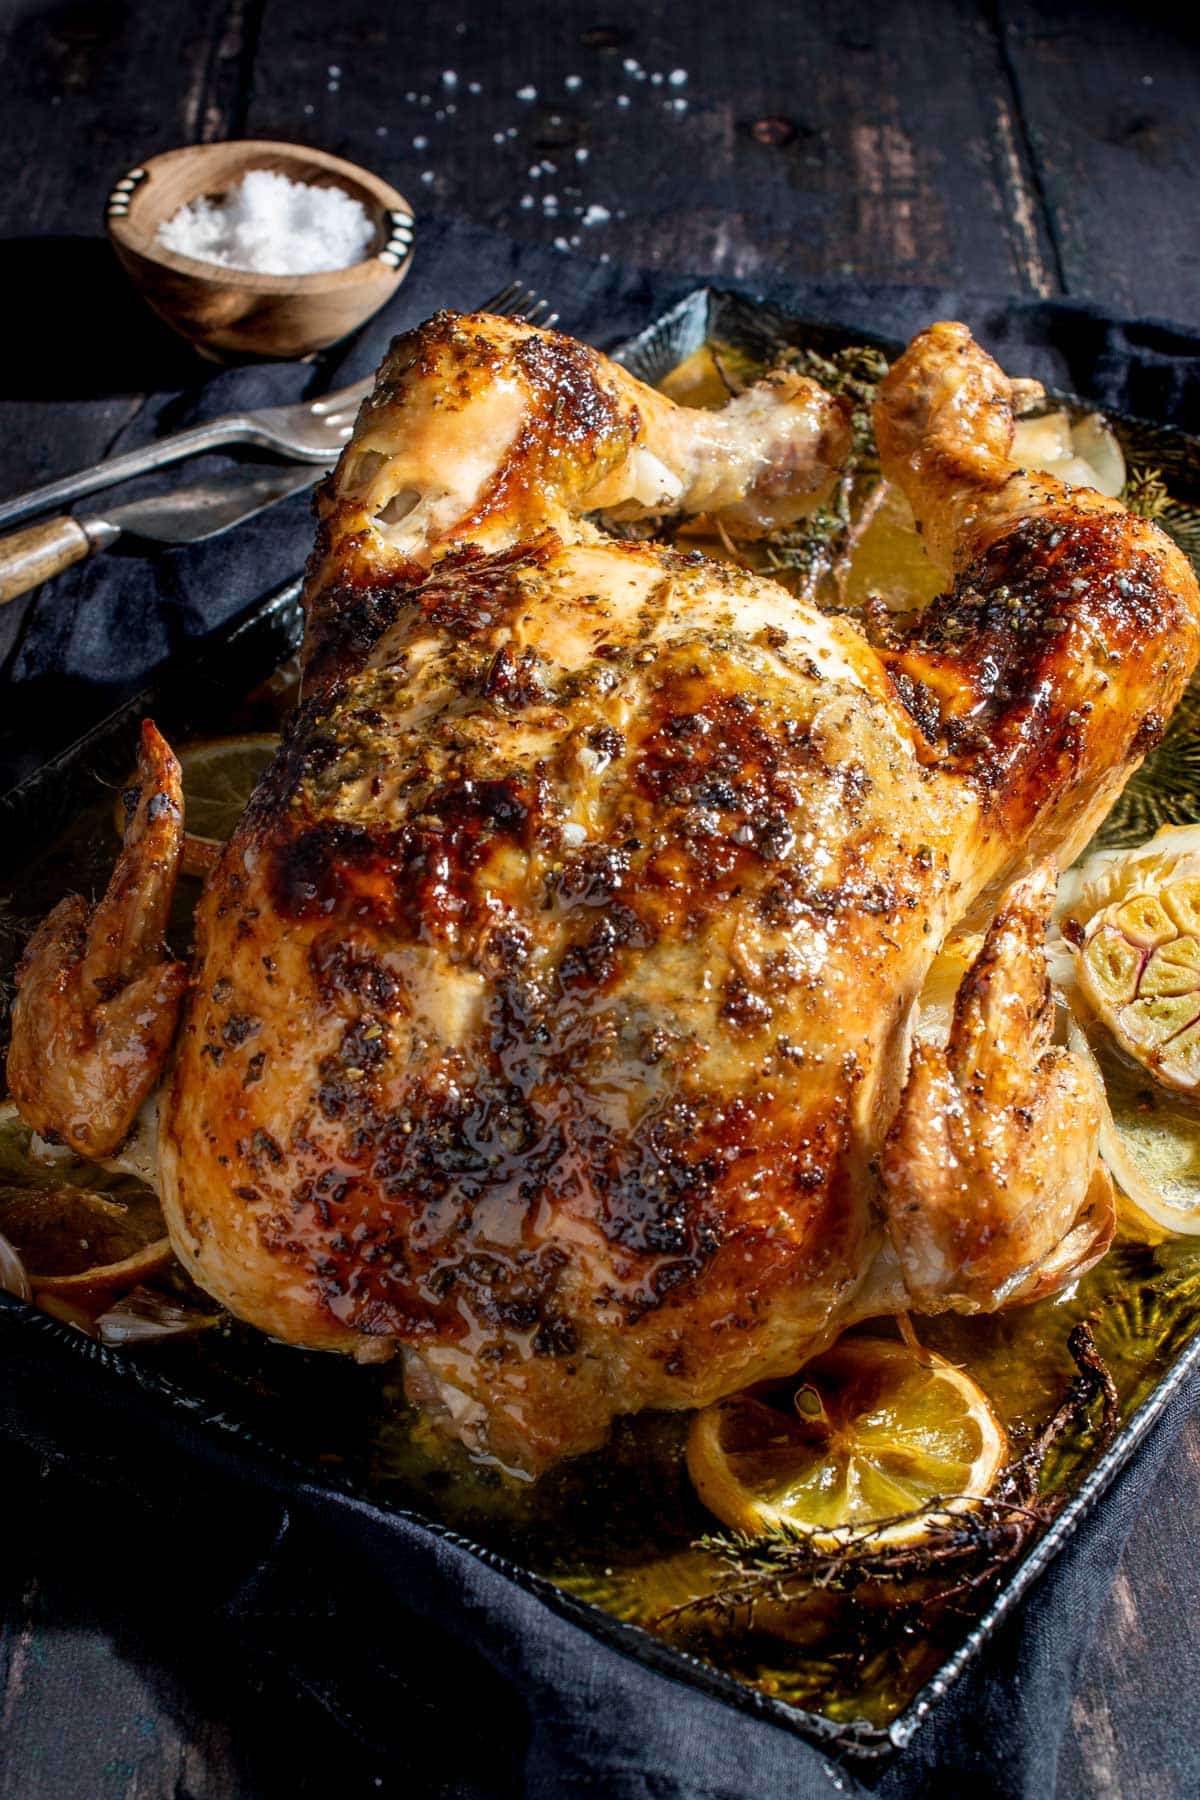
(550, 1020)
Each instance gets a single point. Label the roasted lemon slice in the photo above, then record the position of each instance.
(75, 1227)
(868, 1431)
(218, 779)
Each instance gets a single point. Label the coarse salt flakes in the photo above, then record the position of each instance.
(677, 77)
(597, 215)
(527, 93)
(573, 81)
(582, 154)
(270, 225)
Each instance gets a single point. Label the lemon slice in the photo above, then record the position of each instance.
(75, 1227)
(71, 1241)
(869, 1430)
(219, 776)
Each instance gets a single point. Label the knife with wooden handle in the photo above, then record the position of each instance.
(187, 515)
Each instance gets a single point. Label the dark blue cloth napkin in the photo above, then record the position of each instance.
(415, 1644)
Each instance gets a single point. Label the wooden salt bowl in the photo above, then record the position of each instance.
(233, 315)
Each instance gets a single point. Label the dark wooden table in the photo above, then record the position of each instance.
(1032, 148)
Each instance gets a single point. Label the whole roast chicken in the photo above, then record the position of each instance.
(551, 1018)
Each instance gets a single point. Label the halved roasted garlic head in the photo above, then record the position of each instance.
(1132, 918)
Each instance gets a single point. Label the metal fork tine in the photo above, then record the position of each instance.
(504, 299)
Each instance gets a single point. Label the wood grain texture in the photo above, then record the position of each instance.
(33, 555)
(1109, 94)
(860, 175)
(1023, 145)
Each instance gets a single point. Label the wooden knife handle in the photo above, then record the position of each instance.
(29, 557)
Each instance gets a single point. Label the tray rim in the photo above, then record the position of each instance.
(856, 1740)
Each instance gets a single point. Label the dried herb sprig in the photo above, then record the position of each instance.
(1145, 492)
(959, 1550)
(812, 548)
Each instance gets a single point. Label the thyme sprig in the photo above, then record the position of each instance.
(812, 547)
(960, 1549)
(1145, 492)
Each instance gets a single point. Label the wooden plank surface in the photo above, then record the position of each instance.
(801, 140)
(1109, 95)
(1022, 146)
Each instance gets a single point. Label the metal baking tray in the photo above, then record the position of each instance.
(256, 1400)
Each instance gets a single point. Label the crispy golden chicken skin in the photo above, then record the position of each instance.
(98, 994)
(552, 1002)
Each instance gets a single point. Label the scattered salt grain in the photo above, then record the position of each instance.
(597, 215)
(272, 226)
(527, 93)
(420, 143)
(334, 71)
(630, 64)
(572, 82)
(582, 154)
(622, 99)
(427, 176)
(656, 80)
(497, 137)
(449, 78)
(677, 77)
(474, 87)
(526, 202)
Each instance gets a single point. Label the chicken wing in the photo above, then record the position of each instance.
(97, 996)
